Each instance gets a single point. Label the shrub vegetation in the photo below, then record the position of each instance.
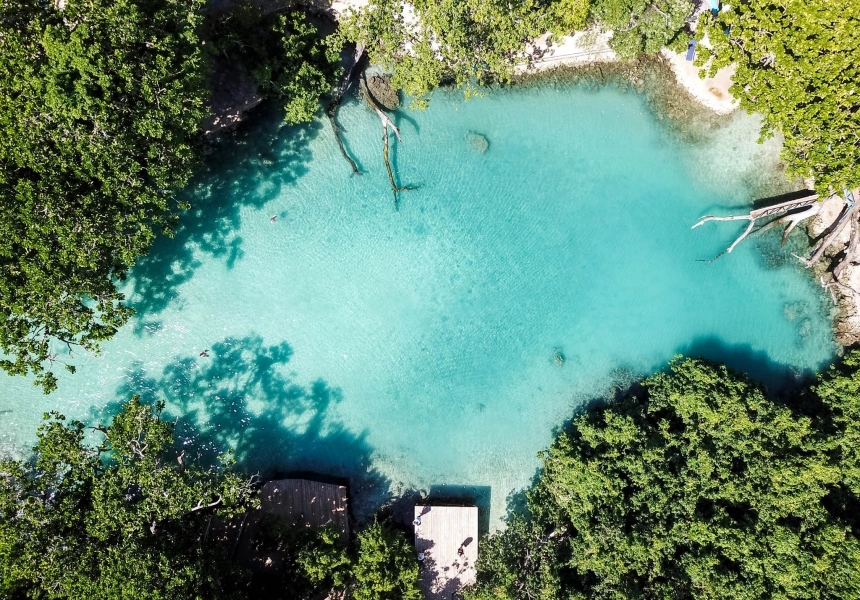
(797, 65)
(101, 103)
(699, 486)
(131, 516)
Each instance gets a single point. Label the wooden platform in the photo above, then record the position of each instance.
(309, 503)
(296, 503)
(448, 538)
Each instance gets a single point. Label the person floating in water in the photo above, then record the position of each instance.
(205, 354)
(273, 218)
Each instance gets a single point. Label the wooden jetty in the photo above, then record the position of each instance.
(309, 503)
(294, 503)
(446, 539)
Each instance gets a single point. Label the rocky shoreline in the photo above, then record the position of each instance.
(846, 321)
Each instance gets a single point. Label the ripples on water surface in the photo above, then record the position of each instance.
(415, 349)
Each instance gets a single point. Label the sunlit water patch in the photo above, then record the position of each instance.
(441, 344)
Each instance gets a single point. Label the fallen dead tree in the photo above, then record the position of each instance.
(331, 110)
(386, 123)
(799, 210)
(792, 213)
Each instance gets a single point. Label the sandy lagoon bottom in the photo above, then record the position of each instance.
(414, 349)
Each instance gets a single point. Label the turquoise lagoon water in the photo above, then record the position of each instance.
(413, 349)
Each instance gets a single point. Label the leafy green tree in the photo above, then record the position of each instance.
(523, 562)
(99, 103)
(301, 562)
(386, 567)
(838, 390)
(643, 26)
(283, 51)
(325, 560)
(797, 64)
(465, 42)
(126, 517)
(701, 487)
(568, 16)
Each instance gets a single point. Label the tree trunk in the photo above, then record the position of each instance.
(806, 202)
(331, 110)
(799, 210)
(845, 219)
(386, 123)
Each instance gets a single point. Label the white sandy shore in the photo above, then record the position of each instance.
(580, 48)
(590, 47)
(586, 47)
(713, 92)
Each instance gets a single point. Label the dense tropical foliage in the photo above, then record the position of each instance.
(797, 64)
(121, 516)
(100, 107)
(131, 515)
(426, 43)
(698, 486)
(643, 26)
(386, 568)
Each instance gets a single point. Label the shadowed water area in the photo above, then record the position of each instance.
(440, 345)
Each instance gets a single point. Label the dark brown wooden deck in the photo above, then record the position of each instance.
(309, 503)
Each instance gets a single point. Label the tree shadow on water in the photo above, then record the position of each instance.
(248, 168)
(780, 381)
(244, 397)
(776, 377)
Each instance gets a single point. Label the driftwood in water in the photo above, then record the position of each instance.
(331, 110)
(807, 204)
(386, 123)
(799, 210)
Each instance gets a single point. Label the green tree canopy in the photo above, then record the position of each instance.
(100, 108)
(461, 41)
(99, 105)
(386, 567)
(701, 486)
(123, 518)
(798, 65)
(568, 16)
(642, 25)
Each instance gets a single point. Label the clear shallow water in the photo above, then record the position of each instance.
(414, 349)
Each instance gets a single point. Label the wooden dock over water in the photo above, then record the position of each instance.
(294, 503)
(447, 536)
(309, 503)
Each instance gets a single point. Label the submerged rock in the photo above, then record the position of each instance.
(558, 357)
(380, 89)
(477, 141)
